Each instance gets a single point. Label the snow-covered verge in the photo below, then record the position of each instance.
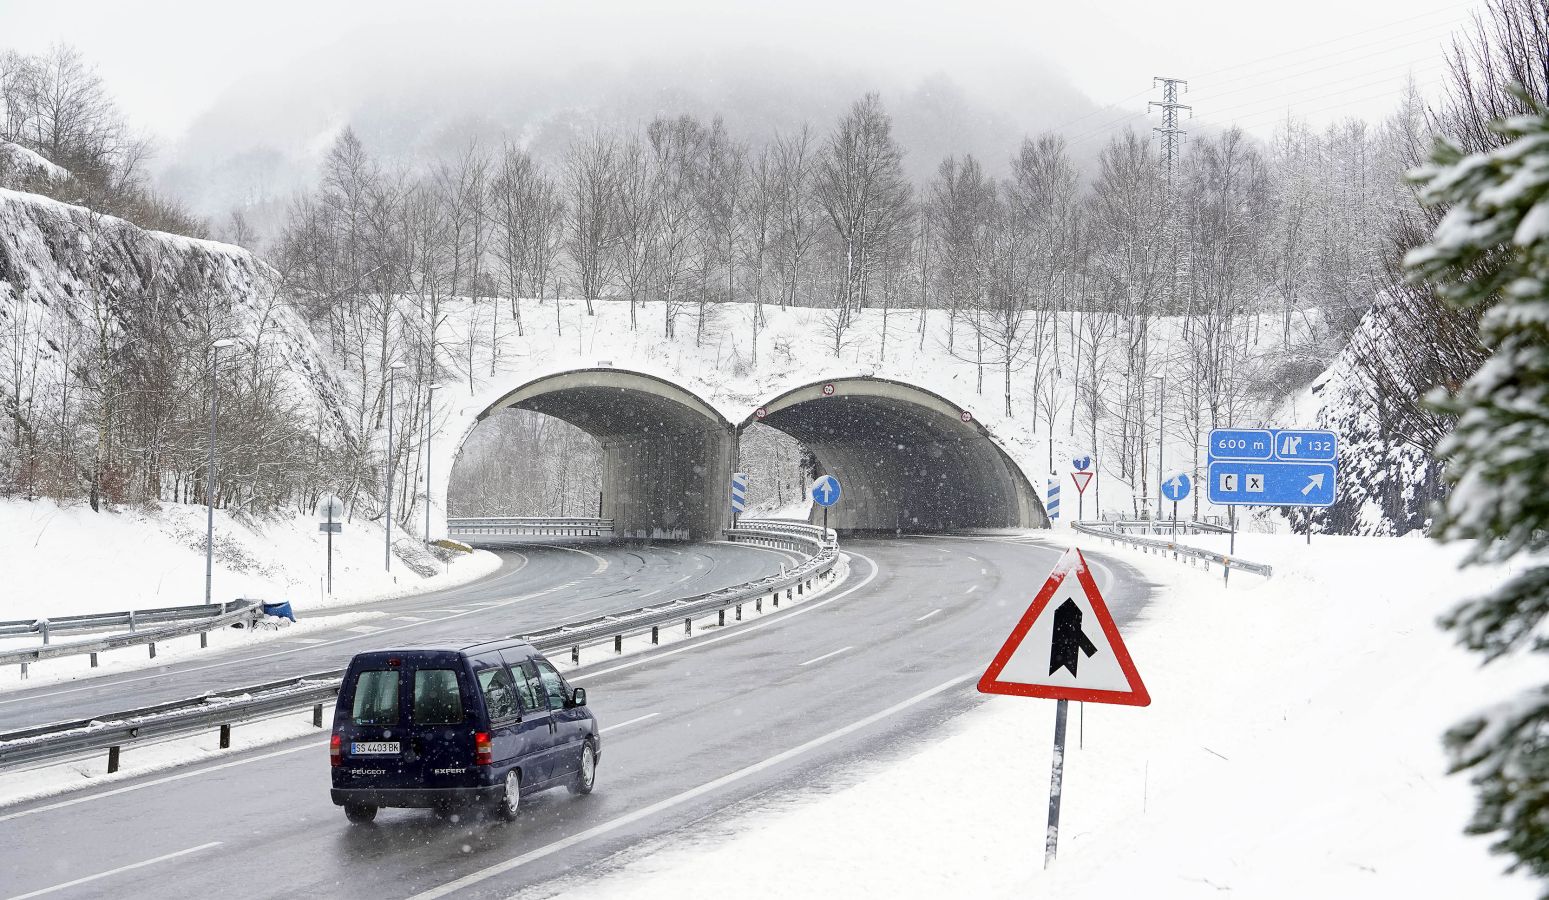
(1292, 749)
(66, 559)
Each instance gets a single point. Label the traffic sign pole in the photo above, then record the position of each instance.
(1056, 781)
(330, 549)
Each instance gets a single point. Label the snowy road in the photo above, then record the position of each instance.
(689, 730)
(538, 586)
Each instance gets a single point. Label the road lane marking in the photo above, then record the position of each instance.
(693, 793)
(318, 745)
(363, 629)
(971, 589)
(619, 725)
(602, 564)
(824, 656)
(408, 618)
(100, 875)
(927, 615)
(742, 629)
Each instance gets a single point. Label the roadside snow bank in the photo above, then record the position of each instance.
(63, 560)
(1292, 750)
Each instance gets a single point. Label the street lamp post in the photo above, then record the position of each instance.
(392, 384)
(209, 478)
(430, 411)
(1161, 439)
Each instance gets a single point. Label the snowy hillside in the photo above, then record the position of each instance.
(20, 167)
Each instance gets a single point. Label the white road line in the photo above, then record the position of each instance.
(824, 656)
(708, 787)
(363, 629)
(619, 725)
(308, 640)
(971, 589)
(927, 615)
(449, 611)
(742, 629)
(407, 619)
(602, 564)
(100, 875)
(163, 780)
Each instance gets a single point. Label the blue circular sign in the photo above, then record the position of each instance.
(1177, 487)
(826, 491)
(1082, 463)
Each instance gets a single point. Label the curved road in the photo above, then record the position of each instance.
(688, 731)
(538, 585)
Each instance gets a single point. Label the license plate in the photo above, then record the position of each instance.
(373, 748)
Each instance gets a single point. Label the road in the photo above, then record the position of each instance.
(537, 586)
(690, 730)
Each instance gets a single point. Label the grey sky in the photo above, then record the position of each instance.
(168, 61)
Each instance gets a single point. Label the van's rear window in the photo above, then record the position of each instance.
(376, 698)
(437, 700)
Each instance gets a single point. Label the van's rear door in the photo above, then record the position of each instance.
(443, 715)
(372, 737)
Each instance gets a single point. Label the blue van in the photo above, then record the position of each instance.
(441, 727)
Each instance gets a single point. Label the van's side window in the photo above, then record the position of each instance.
(499, 692)
(437, 700)
(376, 698)
(553, 685)
(528, 688)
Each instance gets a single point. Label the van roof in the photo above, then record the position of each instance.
(468, 646)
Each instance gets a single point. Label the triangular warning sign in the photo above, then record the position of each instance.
(1082, 479)
(1066, 647)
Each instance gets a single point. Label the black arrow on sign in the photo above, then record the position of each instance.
(1069, 640)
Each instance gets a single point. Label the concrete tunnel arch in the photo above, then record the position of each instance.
(909, 459)
(667, 454)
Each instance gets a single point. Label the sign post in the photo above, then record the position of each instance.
(826, 491)
(1082, 478)
(739, 495)
(1176, 488)
(1065, 647)
(329, 508)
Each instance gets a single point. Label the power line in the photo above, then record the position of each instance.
(1260, 84)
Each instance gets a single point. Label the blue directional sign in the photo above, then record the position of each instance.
(1082, 463)
(739, 492)
(826, 491)
(1272, 467)
(1177, 487)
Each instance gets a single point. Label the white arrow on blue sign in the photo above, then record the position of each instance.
(739, 492)
(1177, 487)
(826, 491)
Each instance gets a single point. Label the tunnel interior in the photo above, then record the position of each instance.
(908, 460)
(665, 454)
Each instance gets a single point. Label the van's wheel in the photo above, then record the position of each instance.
(359, 813)
(510, 802)
(586, 772)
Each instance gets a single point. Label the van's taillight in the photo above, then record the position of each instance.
(335, 750)
(483, 755)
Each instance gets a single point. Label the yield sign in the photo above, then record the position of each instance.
(1066, 647)
(1082, 479)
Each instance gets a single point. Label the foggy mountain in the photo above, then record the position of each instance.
(263, 139)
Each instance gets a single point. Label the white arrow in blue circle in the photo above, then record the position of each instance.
(826, 491)
(1177, 487)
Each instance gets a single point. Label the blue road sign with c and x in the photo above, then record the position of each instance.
(1272, 467)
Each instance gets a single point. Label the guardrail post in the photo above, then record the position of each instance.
(152, 645)
(226, 737)
(317, 716)
(618, 643)
(94, 660)
(655, 634)
(787, 593)
(575, 655)
(688, 626)
(204, 640)
(43, 627)
(131, 620)
(112, 760)
(739, 612)
(776, 598)
(722, 619)
(798, 589)
(758, 604)
(24, 671)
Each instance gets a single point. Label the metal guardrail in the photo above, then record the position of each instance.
(528, 525)
(1163, 526)
(1179, 551)
(790, 526)
(209, 618)
(132, 619)
(230, 707)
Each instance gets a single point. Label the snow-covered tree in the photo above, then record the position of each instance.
(1491, 249)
